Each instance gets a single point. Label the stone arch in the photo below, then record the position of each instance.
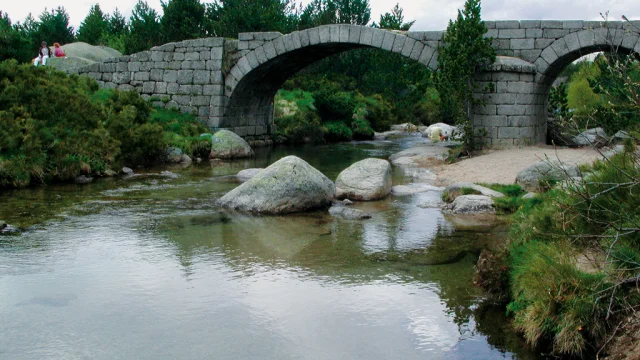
(555, 57)
(251, 84)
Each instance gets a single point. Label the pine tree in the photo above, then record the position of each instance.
(355, 12)
(182, 20)
(116, 23)
(465, 54)
(318, 12)
(394, 20)
(231, 17)
(144, 27)
(93, 26)
(14, 44)
(54, 27)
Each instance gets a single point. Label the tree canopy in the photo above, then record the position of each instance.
(93, 26)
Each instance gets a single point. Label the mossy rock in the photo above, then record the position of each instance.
(227, 145)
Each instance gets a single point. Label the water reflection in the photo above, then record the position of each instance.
(149, 267)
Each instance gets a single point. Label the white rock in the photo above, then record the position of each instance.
(227, 145)
(349, 213)
(369, 179)
(457, 188)
(591, 137)
(410, 189)
(472, 204)
(247, 174)
(531, 177)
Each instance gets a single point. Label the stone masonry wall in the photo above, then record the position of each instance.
(186, 76)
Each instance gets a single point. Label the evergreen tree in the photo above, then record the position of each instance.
(116, 23)
(230, 17)
(465, 54)
(394, 20)
(355, 12)
(182, 20)
(54, 27)
(14, 44)
(93, 26)
(145, 29)
(318, 12)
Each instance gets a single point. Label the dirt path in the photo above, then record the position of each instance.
(502, 166)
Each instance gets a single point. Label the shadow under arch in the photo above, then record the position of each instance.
(251, 84)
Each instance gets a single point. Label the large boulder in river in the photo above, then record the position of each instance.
(247, 174)
(227, 145)
(369, 179)
(472, 204)
(289, 185)
(531, 178)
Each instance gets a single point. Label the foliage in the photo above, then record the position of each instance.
(360, 125)
(52, 27)
(337, 131)
(355, 12)
(316, 13)
(14, 44)
(465, 54)
(93, 26)
(145, 29)
(230, 17)
(116, 23)
(394, 20)
(182, 20)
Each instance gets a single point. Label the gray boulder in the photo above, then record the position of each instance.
(421, 155)
(471, 204)
(348, 213)
(173, 155)
(406, 127)
(369, 179)
(531, 178)
(227, 145)
(455, 190)
(247, 174)
(591, 137)
(448, 131)
(388, 134)
(82, 179)
(289, 185)
(127, 171)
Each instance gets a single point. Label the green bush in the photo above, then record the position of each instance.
(379, 113)
(304, 126)
(360, 125)
(337, 131)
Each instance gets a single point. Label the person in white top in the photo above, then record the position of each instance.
(43, 54)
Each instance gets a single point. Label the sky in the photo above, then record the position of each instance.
(428, 14)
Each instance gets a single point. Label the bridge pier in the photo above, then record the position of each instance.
(513, 106)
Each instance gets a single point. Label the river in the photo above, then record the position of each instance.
(149, 268)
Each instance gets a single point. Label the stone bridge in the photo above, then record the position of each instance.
(231, 83)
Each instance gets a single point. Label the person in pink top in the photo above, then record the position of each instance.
(57, 51)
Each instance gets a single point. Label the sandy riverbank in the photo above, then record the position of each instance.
(502, 166)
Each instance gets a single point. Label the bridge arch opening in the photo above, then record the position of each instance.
(252, 83)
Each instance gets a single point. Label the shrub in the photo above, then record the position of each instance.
(360, 125)
(379, 113)
(304, 126)
(337, 131)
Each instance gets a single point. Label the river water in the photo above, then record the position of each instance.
(149, 268)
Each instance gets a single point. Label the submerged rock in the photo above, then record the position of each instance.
(173, 155)
(127, 171)
(369, 179)
(455, 190)
(348, 213)
(591, 137)
(532, 177)
(227, 145)
(289, 185)
(388, 134)
(410, 189)
(430, 154)
(247, 174)
(169, 175)
(472, 204)
(82, 179)
(406, 127)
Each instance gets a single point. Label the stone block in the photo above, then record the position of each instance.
(573, 24)
(219, 101)
(629, 40)
(270, 50)
(146, 66)
(522, 44)
(200, 100)
(354, 34)
(253, 59)
(288, 43)
(245, 36)
(314, 36)
(408, 46)
(387, 43)
(141, 76)
(157, 56)
(180, 49)
(433, 35)
(121, 77)
(551, 24)
(170, 76)
(520, 87)
(304, 38)
(125, 87)
(192, 56)
(201, 77)
(185, 76)
(505, 76)
(175, 65)
(161, 87)
(486, 110)
(212, 90)
(134, 66)
(417, 50)
(216, 77)
(490, 24)
(543, 43)
(494, 120)
(243, 45)
(167, 56)
(398, 43)
(184, 89)
(295, 36)
(107, 76)
(549, 55)
(148, 87)
(378, 37)
(187, 109)
(508, 132)
(156, 75)
(205, 55)
(243, 65)
(366, 36)
(492, 33)
(334, 33)
(586, 38)
(555, 33)
(511, 33)
(501, 52)
(501, 44)
(217, 53)
(529, 24)
(344, 33)
(182, 100)
(325, 34)
(529, 55)
(527, 77)
(278, 44)
(507, 24)
(214, 65)
(416, 35)
(500, 99)
(122, 67)
(572, 42)
(533, 33)
(254, 44)
(211, 42)
(426, 55)
(560, 47)
(433, 63)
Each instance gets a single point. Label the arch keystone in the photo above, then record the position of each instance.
(344, 33)
(325, 34)
(334, 33)
(366, 36)
(354, 34)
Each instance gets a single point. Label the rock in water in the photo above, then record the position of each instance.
(247, 174)
(173, 155)
(82, 179)
(531, 178)
(289, 185)
(227, 145)
(369, 179)
(348, 213)
(472, 204)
